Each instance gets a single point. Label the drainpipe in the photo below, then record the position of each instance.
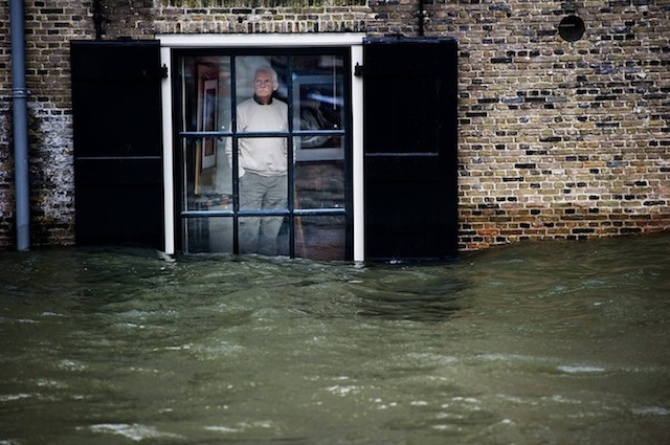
(99, 20)
(19, 95)
(422, 18)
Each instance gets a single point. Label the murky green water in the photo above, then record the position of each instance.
(547, 343)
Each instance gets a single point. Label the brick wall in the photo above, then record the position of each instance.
(49, 26)
(260, 16)
(557, 139)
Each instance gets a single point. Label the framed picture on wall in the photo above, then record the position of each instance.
(209, 119)
(208, 94)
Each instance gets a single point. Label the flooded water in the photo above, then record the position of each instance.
(538, 343)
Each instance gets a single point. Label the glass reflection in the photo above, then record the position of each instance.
(208, 178)
(320, 237)
(264, 235)
(206, 86)
(208, 235)
(319, 185)
(318, 89)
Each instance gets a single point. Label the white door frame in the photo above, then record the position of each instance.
(352, 40)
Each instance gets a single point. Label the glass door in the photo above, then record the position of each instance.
(263, 152)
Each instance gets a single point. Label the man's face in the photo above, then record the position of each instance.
(264, 86)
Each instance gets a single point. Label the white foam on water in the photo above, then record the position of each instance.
(342, 390)
(72, 365)
(465, 399)
(652, 410)
(51, 314)
(419, 403)
(581, 369)
(506, 357)
(50, 383)
(135, 431)
(221, 429)
(12, 397)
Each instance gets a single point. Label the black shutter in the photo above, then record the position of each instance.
(410, 148)
(116, 92)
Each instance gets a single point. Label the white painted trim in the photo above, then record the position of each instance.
(174, 41)
(256, 40)
(357, 153)
(168, 154)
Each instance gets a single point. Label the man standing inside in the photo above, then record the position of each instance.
(262, 163)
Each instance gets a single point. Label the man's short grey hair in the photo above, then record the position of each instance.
(267, 69)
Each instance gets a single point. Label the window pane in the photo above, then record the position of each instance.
(321, 237)
(208, 176)
(258, 192)
(265, 235)
(318, 92)
(331, 148)
(263, 156)
(318, 111)
(206, 88)
(319, 185)
(208, 235)
(247, 85)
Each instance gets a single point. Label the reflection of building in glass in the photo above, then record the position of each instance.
(321, 114)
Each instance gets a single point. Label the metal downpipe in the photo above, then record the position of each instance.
(422, 18)
(20, 116)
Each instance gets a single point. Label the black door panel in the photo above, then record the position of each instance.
(117, 142)
(410, 148)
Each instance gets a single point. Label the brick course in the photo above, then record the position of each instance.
(557, 140)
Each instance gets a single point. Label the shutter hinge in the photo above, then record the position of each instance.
(358, 70)
(164, 71)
